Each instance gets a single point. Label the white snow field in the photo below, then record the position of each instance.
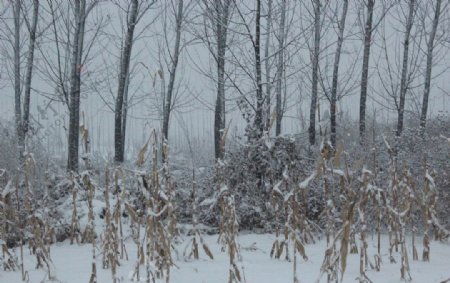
(72, 264)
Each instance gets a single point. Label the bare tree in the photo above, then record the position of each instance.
(315, 73)
(259, 123)
(280, 68)
(65, 55)
(217, 15)
(334, 87)
(430, 48)
(22, 107)
(134, 13)
(365, 69)
(81, 11)
(222, 16)
(172, 71)
(267, 63)
(120, 116)
(405, 62)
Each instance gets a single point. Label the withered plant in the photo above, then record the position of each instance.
(89, 233)
(192, 248)
(8, 259)
(110, 245)
(229, 225)
(119, 191)
(157, 237)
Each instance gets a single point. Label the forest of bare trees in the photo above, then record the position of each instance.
(138, 124)
(270, 58)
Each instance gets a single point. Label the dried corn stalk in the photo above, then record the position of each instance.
(75, 223)
(157, 238)
(119, 190)
(110, 243)
(89, 233)
(229, 226)
(192, 248)
(8, 260)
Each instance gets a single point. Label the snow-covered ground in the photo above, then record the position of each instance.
(72, 264)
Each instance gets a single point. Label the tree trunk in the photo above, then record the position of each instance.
(125, 112)
(430, 47)
(119, 139)
(29, 72)
(280, 69)
(259, 125)
(221, 18)
(75, 84)
(403, 80)
(315, 74)
(17, 94)
(172, 72)
(337, 57)
(267, 65)
(365, 71)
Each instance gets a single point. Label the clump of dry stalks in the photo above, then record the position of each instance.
(229, 226)
(334, 262)
(39, 230)
(296, 229)
(159, 211)
(394, 207)
(75, 234)
(89, 235)
(192, 248)
(110, 238)
(8, 260)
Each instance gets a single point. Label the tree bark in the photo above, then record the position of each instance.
(75, 85)
(172, 71)
(334, 86)
(403, 80)
(119, 129)
(280, 69)
(430, 47)
(17, 93)
(267, 65)
(29, 71)
(365, 71)
(259, 125)
(221, 18)
(315, 74)
(22, 116)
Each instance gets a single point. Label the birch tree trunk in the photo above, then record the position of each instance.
(334, 86)
(172, 72)
(430, 47)
(315, 74)
(403, 80)
(221, 17)
(365, 71)
(120, 119)
(280, 69)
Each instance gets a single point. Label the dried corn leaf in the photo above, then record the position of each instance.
(280, 250)
(132, 213)
(141, 155)
(236, 272)
(301, 249)
(274, 248)
(207, 251)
